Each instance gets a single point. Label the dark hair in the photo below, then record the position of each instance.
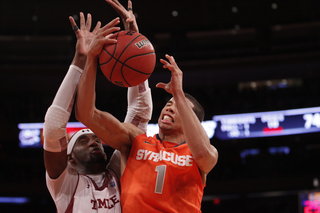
(197, 108)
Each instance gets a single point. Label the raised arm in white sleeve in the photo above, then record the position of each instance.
(58, 114)
(139, 105)
(139, 97)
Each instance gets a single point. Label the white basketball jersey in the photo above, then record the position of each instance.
(79, 193)
(89, 197)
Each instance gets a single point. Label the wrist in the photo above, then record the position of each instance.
(91, 56)
(178, 93)
(79, 60)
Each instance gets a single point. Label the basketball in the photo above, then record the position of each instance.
(130, 61)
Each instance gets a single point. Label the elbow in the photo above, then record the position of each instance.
(207, 155)
(207, 159)
(215, 156)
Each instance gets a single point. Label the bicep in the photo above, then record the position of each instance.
(111, 131)
(55, 163)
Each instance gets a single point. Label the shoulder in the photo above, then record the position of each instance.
(69, 171)
(133, 130)
(143, 139)
(64, 184)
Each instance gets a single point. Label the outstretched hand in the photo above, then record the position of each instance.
(127, 16)
(83, 34)
(175, 83)
(103, 36)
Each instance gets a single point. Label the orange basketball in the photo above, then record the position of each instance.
(130, 61)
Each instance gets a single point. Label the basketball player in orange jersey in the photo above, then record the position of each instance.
(77, 176)
(164, 173)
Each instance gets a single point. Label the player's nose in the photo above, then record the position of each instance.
(93, 142)
(169, 109)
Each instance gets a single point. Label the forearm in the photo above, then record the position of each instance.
(57, 115)
(108, 128)
(192, 128)
(196, 137)
(56, 119)
(139, 106)
(85, 103)
(79, 60)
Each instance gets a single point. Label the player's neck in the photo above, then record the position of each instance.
(171, 137)
(92, 169)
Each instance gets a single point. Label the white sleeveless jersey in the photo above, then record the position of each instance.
(79, 193)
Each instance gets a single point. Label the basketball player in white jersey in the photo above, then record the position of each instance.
(77, 176)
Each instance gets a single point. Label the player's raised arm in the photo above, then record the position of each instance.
(103, 124)
(203, 152)
(139, 97)
(57, 115)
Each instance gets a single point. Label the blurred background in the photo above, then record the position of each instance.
(237, 57)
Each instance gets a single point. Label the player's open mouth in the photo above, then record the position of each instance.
(168, 118)
(96, 150)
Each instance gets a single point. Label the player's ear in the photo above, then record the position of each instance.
(70, 158)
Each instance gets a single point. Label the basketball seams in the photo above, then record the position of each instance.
(124, 64)
(108, 54)
(112, 56)
(114, 51)
(124, 49)
(118, 59)
(118, 69)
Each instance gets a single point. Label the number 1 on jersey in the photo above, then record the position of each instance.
(160, 178)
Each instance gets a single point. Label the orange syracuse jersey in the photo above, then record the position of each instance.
(160, 176)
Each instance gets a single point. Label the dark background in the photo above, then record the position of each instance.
(220, 45)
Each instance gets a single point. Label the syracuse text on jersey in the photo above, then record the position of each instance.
(180, 160)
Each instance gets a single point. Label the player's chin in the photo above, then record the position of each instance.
(97, 158)
(165, 126)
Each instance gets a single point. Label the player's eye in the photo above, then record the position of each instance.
(83, 141)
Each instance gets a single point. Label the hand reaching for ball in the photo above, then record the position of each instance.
(103, 36)
(175, 84)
